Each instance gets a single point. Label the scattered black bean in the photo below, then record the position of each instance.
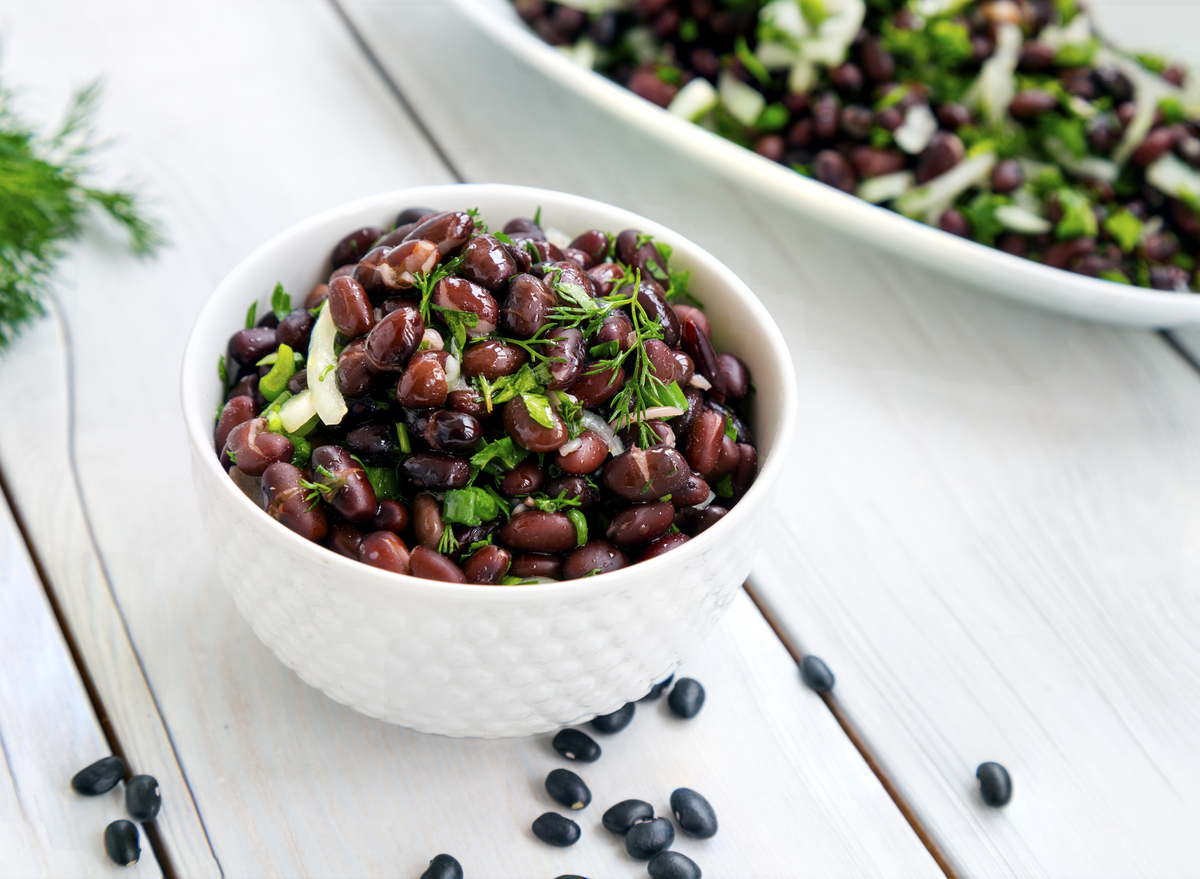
(645, 840)
(657, 690)
(673, 865)
(995, 784)
(687, 698)
(576, 745)
(554, 829)
(443, 867)
(99, 778)
(121, 842)
(625, 814)
(567, 789)
(142, 797)
(615, 722)
(694, 814)
(816, 674)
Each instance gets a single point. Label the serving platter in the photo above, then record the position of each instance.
(972, 265)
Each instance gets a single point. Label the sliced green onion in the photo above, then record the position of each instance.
(581, 526)
(272, 384)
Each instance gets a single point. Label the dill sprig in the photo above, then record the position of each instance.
(44, 202)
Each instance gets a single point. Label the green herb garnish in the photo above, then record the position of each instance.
(43, 203)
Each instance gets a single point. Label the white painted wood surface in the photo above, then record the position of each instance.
(260, 117)
(992, 515)
(48, 732)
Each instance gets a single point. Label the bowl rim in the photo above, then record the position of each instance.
(999, 273)
(196, 365)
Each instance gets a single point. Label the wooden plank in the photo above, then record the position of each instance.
(988, 526)
(286, 780)
(48, 732)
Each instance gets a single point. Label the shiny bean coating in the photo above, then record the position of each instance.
(816, 674)
(613, 723)
(448, 230)
(100, 777)
(493, 359)
(686, 698)
(142, 797)
(995, 784)
(662, 545)
(432, 565)
(567, 789)
(443, 867)
(641, 523)
(673, 865)
(594, 557)
(553, 829)
(536, 564)
(646, 474)
(694, 813)
(527, 432)
(394, 340)
(487, 565)
(383, 549)
(350, 307)
(625, 814)
(538, 531)
(658, 689)
(436, 471)
(121, 843)
(576, 745)
(643, 841)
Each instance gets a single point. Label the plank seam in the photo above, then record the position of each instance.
(860, 744)
(397, 93)
(1175, 345)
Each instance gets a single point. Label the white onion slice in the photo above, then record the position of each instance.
(927, 202)
(885, 187)
(454, 379)
(694, 99)
(322, 370)
(703, 505)
(557, 237)
(699, 381)
(570, 446)
(1021, 220)
(1171, 176)
(434, 340)
(744, 103)
(996, 85)
(297, 411)
(917, 130)
(664, 412)
(598, 425)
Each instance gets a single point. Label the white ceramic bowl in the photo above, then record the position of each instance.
(464, 660)
(973, 265)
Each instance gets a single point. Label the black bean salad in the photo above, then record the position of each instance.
(1008, 122)
(488, 407)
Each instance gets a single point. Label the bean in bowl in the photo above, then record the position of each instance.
(488, 407)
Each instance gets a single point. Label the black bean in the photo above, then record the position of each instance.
(436, 471)
(568, 789)
(99, 778)
(413, 215)
(576, 745)
(657, 690)
(687, 698)
(142, 797)
(121, 842)
(995, 784)
(351, 248)
(673, 865)
(694, 814)
(816, 674)
(645, 840)
(554, 829)
(625, 814)
(615, 722)
(443, 867)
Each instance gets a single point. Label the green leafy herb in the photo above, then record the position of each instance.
(537, 216)
(605, 350)
(448, 543)
(471, 506)
(385, 482)
(814, 12)
(477, 545)
(526, 380)
(323, 488)
(1078, 217)
(504, 450)
(730, 430)
(554, 504)
(426, 282)
(980, 212)
(1114, 275)
(1125, 228)
(301, 450)
(774, 117)
(281, 302)
(539, 409)
(724, 486)
(222, 372)
(402, 438)
(581, 526)
(251, 314)
(43, 203)
(753, 66)
(458, 321)
(273, 383)
(689, 30)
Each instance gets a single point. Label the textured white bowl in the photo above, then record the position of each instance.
(465, 660)
(973, 265)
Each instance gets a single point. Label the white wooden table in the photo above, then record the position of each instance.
(987, 530)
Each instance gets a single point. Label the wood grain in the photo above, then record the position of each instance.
(263, 116)
(48, 732)
(989, 526)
